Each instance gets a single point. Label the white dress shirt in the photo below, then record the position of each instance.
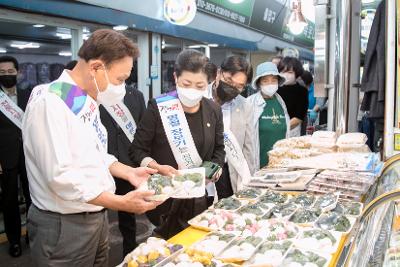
(64, 165)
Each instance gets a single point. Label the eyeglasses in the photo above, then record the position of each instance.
(229, 81)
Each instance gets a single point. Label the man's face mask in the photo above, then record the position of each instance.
(113, 93)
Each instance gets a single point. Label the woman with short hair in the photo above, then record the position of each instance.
(200, 126)
(231, 80)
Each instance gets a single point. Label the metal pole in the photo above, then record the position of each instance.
(388, 145)
(331, 68)
(342, 62)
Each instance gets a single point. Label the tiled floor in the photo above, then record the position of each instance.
(144, 230)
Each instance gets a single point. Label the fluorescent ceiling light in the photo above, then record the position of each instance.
(213, 45)
(236, 1)
(65, 54)
(24, 45)
(120, 27)
(38, 25)
(194, 46)
(3, 50)
(64, 35)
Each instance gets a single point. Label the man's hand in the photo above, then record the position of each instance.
(136, 176)
(135, 202)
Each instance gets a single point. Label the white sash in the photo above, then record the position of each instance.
(121, 115)
(10, 109)
(88, 114)
(90, 117)
(177, 130)
(235, 157)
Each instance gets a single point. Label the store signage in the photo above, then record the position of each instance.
(269, 17)
(180, 12)
(239, 12)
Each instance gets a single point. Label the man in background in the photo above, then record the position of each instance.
(118, 145)
(12, 160)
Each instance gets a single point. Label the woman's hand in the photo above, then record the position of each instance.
(163, 169)
(167, 170)
(136, 176)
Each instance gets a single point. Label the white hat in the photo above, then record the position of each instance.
(267, 68)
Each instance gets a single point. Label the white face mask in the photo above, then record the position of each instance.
(113, 93)
(269, 89)
(290, 78)
(189, 97)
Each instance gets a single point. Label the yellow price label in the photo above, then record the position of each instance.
(397, 141)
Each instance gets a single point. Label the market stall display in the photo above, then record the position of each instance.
(326, 202)
(214, 243)
(258, 227)
(305, 217)
(349, 208)
(230, 203)
(273, 197)
(318, 240)
(248, 193)
(277, 230)
(304, 258)
(151, 253)
(335, 222)
(350, 185)
(304, 200)
(269, 254)
(241, 249)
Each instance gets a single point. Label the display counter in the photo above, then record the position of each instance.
(373, 243)
(346, 216)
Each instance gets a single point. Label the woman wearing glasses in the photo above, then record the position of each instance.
(233, 75)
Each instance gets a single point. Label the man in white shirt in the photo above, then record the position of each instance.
(69, 169)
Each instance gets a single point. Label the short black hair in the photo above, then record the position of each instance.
(10, 59)
(190, 60)
(211, 70)
(235, 64)
(71, 65)
(291, 63)
(307, 78)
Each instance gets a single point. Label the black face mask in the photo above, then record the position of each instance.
(8, 81)
(225, 92)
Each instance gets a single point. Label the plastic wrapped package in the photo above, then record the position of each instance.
(303, 142)
(352, 139)
(324, 135)
(357, 148)
(355, 177)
